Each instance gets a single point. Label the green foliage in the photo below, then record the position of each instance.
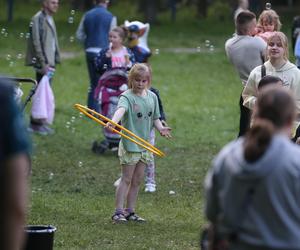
(219, 11)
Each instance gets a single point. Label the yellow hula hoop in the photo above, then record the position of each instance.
(141, 142)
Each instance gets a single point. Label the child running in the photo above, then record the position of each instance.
(138, 111)
(268, 23)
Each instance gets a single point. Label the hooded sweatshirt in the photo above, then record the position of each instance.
(271, 218)
(288, 73)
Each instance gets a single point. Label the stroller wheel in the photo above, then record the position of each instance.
(99, 148)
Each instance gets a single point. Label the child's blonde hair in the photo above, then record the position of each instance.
(139, 70)
(284, 41)
(271, 17)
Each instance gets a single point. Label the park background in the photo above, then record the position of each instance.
(72, 188)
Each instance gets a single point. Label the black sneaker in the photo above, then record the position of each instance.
(99, 148)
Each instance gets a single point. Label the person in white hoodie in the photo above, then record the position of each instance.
(252, 190)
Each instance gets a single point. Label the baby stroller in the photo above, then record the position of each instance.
(17, 90)
(111, 84)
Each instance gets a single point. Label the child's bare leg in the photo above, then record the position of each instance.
(121, 191)
(136, 180)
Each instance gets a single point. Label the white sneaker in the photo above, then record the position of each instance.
(117, 182)
(150, 188)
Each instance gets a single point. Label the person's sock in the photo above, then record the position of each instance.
(119, 211)
(129, 210)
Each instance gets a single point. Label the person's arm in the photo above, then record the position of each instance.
(250, 92)
(36, 40)
(80, 33)
(164, 131)
(16, 173)
(113, 23)
(116, 117)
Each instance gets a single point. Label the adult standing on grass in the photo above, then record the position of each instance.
(93, 31)
(245, 52)
(43, 52)
(276, 65)
(253, 187)
(14, 169)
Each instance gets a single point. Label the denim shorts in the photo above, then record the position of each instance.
(132, 158)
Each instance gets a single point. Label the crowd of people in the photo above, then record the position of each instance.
(252, 188)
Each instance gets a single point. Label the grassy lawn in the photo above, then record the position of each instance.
(72, 188)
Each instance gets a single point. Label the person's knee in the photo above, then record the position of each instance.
(126, 180)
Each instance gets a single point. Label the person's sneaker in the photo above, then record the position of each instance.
(117, 182)
(99, 148)
(150, 188)
(49, 130)
(134, 217)
(118, 218)
(38, 129)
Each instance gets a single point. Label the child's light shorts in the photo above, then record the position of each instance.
(132, 158)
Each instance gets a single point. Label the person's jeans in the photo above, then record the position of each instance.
(244, 118)
(94, 77)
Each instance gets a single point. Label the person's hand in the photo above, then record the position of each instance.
(108, 54)
(45, 69)
(127, 59)
(109, 126)
(298, 140)
(165, 132)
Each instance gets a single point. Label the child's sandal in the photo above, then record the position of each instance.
(134, 217)
(118, 218)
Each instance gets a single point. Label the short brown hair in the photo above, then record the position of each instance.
(242, 22)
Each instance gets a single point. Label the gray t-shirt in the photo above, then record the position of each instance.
(141, 111)
(245, 53)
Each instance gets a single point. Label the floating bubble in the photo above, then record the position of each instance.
(11, 64)
(19, 56)
(21, 35)
(156, 51)
(6, 34)
(73, 130)
(207, 43)
(71, 20)
(51, 175)
(3, 31)
(31, 24)
(33, 60)
(72, 12)
(8, 57)
(72, 39)
(268, 6)
(211, 48)
(73, 118)
(80, 164)
(80, 115)
(198, 49)
(171, 192)
(27, 35)
(105, 66)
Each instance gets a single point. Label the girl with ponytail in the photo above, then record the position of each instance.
(253, 187)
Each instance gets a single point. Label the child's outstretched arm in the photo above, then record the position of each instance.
(164, 131)
(116, 117)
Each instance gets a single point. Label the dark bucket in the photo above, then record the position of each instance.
(39, 237)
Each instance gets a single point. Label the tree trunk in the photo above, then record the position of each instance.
(202, 8)
(10, 6)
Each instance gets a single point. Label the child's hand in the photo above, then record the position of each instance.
(108, 53)
(109, 126)
(166, 132)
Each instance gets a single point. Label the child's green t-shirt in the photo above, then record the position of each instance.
(141, 111)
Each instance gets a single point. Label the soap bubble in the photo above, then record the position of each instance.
(21, 35)
(198, 49)
(207, 43)
(31, 24)
(268, 6)
(8, 57)
(72, 12)
(33, 60)
(72, 39)
(80, 164)
(11, 64)
(6, 34)
(71, 20)
(211, 48)
(51, 176)
(156, 51)
(27, 36)
(171, 192)
(19, 56)
(3, 31)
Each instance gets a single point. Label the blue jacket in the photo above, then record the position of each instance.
(96, 26)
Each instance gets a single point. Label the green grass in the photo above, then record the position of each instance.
(200, 92)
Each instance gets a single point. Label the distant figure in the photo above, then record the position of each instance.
(252, 189)
(14, 170)
(93, 32)
(268, 23)
(296, 39)
(245, 52)
(242, 6)
(43, 52)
